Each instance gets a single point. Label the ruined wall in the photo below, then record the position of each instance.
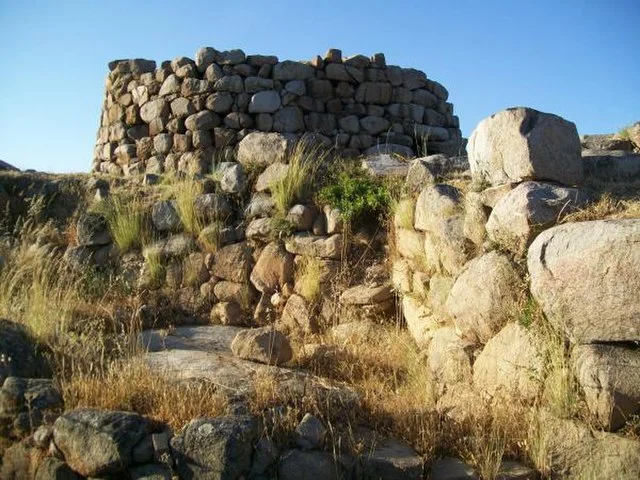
(187, 114)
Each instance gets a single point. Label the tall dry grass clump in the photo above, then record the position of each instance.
(308, 276)
(303, 160)
(39, 290)
(185, 193)
(127, 221)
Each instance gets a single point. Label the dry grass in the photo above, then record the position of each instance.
(308, 275)
(303, 163)
(186, 192)
(210, 238)
(133, 386)
(155, 268)
(403, 212)
(395, 388)
(607, 206)
(127, 220)
(38, 290)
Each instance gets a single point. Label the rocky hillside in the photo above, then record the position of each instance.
(293, 313)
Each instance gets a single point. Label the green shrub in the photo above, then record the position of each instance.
(355, 194)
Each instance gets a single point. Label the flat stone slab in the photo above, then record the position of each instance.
(385, 165)
(204, 353)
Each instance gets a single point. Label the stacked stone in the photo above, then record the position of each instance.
(188, 113)
(457, 271)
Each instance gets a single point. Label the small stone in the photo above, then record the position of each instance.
(310, 433)
(264, 345)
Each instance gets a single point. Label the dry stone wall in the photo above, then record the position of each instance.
(187, 113)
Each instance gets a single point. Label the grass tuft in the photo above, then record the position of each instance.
(127, 221)
(38, 289)
(186, 192)
(303, 163)
(308, 274)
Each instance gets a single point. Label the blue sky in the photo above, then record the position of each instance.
(578, 59)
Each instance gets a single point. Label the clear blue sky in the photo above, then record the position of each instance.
(578, 59)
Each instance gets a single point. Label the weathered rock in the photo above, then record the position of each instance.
(20, 355)
(420, 321)
(301, 217)
(213, 206)
(606, 142)
(215, 447)
(232, 178)
(96, 443)
(267, 101)
(288, 119)
(260, 229)
(227, 313)
(164, 216)
(585, 277)
(323, 247)
(527, 210)
(150, 471)
(264, 345)
(232, 262)
(390, 458)
(511, 365)
(51, 468)
(484, 296)
(614, 166)
(385, 165)
(32, 395)
(366, 295)
(265, 456)
(310, 433)
(232, 292)
(575, 450)
(410, 244)
(448, 358)
(273, 269)
(523, 144)
(450, 468)
(435, 204)
(155, 110)
(461, 403)
(297, 317)
(263, 149)
(475, 218)
(92, 230)
(299, 465)
(610, 378)
(274, 173)
(260, 205)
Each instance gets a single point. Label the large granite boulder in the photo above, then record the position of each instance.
(484, 296)
(527, 210)
(585, 277)
(610, 378)
(511, 365)
(524, 144)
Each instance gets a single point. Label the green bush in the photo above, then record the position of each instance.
(356, 193)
